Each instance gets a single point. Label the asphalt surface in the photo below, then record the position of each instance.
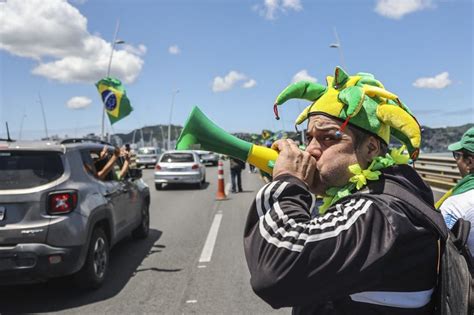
(192, 262)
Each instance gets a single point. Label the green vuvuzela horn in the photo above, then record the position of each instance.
(200, 130)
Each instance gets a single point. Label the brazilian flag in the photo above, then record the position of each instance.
(114, 98)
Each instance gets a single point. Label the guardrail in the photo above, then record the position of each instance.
(438, 171)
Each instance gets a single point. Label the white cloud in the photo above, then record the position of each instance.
(249, 84)
(140, 50)
(55, 34)
(303, 75)
(79, 102)
(439, 81)
(78, 1)
(396, 9)
(174, 50)
(222, 84)
(271, 8)
(293, 4)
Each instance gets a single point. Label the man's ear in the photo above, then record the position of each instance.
(470, 162)
(370, 149)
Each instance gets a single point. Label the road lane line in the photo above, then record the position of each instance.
(206, 253)
(228, 187)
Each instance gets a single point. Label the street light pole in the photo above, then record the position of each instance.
(171, 114)
(339, 47)
(21, 126)
(44, 116)
(114, 42)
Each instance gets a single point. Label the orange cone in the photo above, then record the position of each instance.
(220, 182)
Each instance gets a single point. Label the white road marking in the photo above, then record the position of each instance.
(202, 266)
(191, 301)
(227, 188)
(206, 253)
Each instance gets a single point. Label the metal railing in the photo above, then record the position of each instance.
(438, 171)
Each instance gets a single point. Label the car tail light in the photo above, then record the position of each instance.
(62, 202)
(158, 167)
(195, 167)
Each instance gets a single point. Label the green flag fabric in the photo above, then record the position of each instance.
(114, 98)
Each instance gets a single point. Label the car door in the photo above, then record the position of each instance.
(130, 198)
(111, 189)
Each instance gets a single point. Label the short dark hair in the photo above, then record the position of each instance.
(360, 136)
(466, 153)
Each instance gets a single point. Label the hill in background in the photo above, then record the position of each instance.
(438, 139)
(433, 139)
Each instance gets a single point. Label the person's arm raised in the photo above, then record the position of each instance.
(102, 174)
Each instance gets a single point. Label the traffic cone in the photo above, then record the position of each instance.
(220, 182)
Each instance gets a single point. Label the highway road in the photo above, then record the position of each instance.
(192, 262)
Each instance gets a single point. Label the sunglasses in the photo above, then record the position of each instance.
(457, 155)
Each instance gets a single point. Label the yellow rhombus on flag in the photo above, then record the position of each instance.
(114, 98)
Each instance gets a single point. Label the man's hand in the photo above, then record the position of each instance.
(125, 154)
(294, 161)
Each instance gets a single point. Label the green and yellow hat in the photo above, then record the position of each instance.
(359, 100)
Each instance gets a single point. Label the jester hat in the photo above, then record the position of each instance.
(359, 100)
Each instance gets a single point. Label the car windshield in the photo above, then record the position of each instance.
(146, 151)
(177, 157)
(27, 169)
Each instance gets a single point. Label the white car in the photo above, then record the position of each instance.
(147, 156)
(208, 157)
(179, 167)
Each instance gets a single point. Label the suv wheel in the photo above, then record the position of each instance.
(158, 186)
(141, 232)
(95, 268)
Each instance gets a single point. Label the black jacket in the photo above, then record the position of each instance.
(236, 164)
(367, 255)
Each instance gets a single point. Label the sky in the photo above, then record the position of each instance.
(229, 57)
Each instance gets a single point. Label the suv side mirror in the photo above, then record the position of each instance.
(135, 173)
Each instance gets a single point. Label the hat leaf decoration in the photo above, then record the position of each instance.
(353, 96)
(368, 79)
(397, 118)
(340, 78)
(306, 90)
(373, 91)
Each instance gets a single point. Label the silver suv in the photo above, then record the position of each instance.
(57, 218)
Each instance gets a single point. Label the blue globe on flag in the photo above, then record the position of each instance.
(109, 99)
(115, 100)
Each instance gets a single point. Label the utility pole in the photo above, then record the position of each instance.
(23, 116)
(163, 141)
(44, 116)
(151, 137)
(114, 42)
(338, 45)
(171, 114)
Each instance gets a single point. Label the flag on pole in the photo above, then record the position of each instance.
(114, 98)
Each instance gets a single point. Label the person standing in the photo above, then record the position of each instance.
(458, 203)
(369, 251)
(236, 167)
